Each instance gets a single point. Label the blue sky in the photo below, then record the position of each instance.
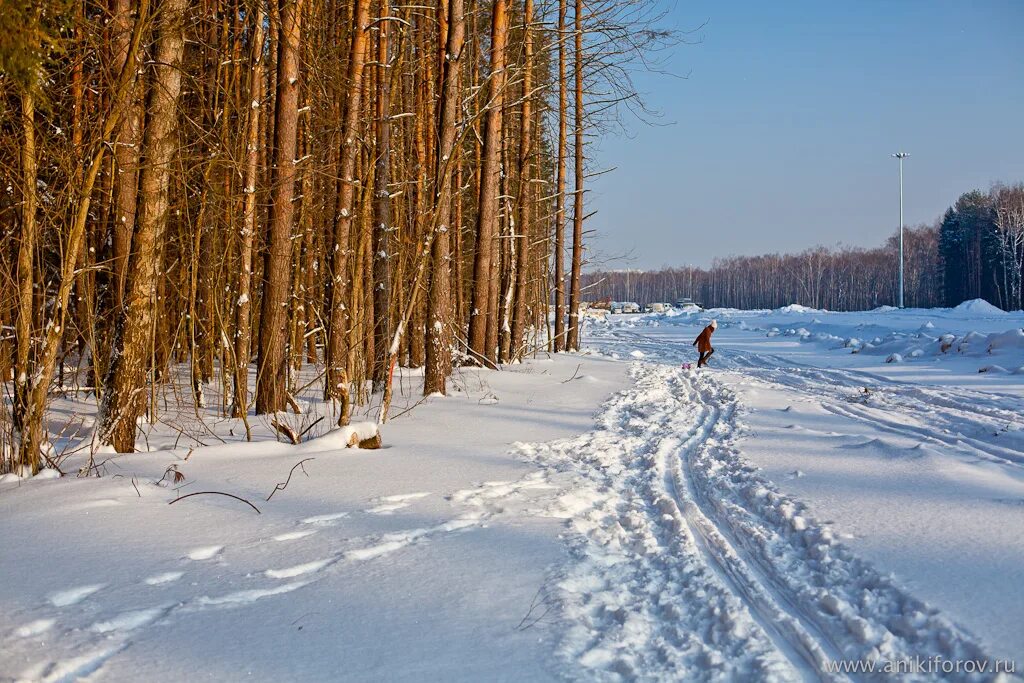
(780, 136)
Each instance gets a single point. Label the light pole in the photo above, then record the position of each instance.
(901, 156)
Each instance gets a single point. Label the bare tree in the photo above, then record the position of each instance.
(243, 305)
(272, 368)
(484, 303)
(573, 341)
(336, 384)
(126, 399)
(439, 337)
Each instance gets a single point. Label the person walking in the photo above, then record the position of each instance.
(703, 343)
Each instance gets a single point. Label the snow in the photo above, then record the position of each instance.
(797, 308)
(916, 465)
(410, 562)
(342, 437)
(975, 307)
(606, 515)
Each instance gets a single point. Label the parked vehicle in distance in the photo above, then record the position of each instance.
(688, 304)
(657, 307)
(624, 307)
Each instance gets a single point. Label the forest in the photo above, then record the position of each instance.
(976, 250)
(234, 190)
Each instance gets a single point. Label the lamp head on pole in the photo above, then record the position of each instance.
(901, 155)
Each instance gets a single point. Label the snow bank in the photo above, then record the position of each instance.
(1011, 339)
(978, 307)
(797, 308)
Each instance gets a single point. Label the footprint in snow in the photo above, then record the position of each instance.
(73, 668)
(72, 596)
(294, 535)
(325, 519)
(93, 504)
(131, 620)
(389, 504)
(166, 577)
(205, 553)
(34, 628)
(247, 596)
(299, 569)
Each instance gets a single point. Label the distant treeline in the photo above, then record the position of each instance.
(975, 251)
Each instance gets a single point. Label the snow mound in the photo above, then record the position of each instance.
(978, 307)
(1011, 339)
(797, 308)
(344, 437)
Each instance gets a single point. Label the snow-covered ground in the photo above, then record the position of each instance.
(425, 560)
(879, 504)
(608, 516)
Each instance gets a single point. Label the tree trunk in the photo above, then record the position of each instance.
(243, 306)
(125, 400)
(381, 227)
(577, 212)
(128, 139)
(563, 114)
(272, 365)
(522, 221)
(30, 430)
(483, 305)
(336, 383)
(439, 340)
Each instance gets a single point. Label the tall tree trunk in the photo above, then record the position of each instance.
(336, 383)
(272, 365)
(577, 212)
(504, 279)
(30, 430)
(439, 313)
(381, 227)
(483, 305)
(125, 400)
(522, 221)
(243, 306)
(563, 115)
(127, 144)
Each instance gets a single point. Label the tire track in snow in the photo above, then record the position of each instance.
(924, 412)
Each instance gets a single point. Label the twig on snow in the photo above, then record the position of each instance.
(529, 620)
(283, 485)
(573, 374)
(216, 493)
